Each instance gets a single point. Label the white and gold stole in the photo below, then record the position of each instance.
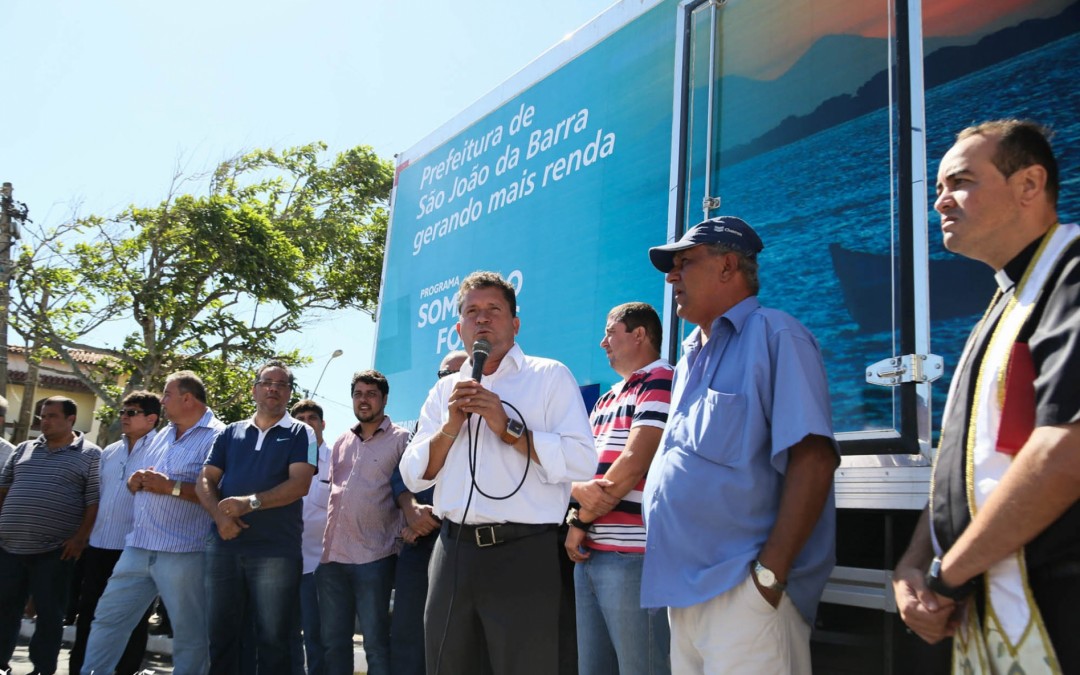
(1013, 640)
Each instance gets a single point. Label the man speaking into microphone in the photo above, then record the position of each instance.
(501, 441)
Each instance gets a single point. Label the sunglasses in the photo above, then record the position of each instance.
(130, 412)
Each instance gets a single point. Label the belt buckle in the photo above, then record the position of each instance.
(478, 532)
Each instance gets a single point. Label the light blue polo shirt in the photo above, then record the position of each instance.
(738, 403)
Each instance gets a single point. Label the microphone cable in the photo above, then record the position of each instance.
(473, 451)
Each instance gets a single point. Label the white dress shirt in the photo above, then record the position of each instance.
(549, 399)
(315, 503)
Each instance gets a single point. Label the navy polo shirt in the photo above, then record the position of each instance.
(256, 461)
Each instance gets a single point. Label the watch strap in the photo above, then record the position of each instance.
(936, 584)
(573, 520)
(176, 488)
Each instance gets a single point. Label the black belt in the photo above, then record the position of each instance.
(484, 536)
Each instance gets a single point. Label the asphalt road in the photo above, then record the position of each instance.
(20, 661)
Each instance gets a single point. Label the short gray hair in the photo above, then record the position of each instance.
(748, 264)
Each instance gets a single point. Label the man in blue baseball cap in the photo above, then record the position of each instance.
(738, 504)
(727, 231)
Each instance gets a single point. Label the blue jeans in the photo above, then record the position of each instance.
(259, 589)
(139, 576)
(616, 635)
(410, 595)
(309, 619)
(98, 565)
(48, 579)
(362, 591)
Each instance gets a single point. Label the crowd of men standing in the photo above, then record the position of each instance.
(696, 501)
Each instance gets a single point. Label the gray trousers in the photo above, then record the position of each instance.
(505, 607)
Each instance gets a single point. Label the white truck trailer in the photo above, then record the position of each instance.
(820, 122)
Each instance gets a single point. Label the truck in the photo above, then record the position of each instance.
(819, 122)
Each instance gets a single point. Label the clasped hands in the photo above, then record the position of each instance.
(930, 616)
(470, 397)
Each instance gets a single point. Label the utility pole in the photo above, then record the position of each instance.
(11, 214)
(33, 374)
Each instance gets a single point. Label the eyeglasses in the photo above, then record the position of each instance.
(445, 371)
(131, 412)
(274, 384)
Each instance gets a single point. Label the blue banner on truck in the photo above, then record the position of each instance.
(561, 189)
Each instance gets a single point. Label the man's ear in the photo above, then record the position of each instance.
(1031, 183)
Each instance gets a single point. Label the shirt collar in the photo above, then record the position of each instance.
(736, 316)
(145, 439)
(644, 370)
(383, 426)
(1010, 275)
(207, 419)
(651, 366)
(286, 421)
(516, 357)
(76, 443)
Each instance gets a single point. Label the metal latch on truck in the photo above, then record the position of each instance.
(898, 370)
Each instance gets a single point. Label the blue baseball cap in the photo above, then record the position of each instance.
(726, 230)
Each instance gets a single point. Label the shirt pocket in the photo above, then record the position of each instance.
(714, 427)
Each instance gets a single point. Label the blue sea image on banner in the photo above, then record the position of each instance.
(829, 190)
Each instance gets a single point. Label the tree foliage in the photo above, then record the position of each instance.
(208, 281)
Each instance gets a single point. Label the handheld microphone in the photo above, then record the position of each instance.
(480, 351)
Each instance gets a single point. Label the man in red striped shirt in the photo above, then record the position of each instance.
(607, 534)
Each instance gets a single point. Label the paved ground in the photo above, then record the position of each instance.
(158, 653)
(20, 662)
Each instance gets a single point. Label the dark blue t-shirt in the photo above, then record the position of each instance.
(249, 467)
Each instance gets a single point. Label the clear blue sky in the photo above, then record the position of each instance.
(104, 101)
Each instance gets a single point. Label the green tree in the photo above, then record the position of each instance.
(209, 281)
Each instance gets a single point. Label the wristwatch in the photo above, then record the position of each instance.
(254, 503)
(766, 578)
(573, 520)
(176, 489)
(513, 432)
(937, 585)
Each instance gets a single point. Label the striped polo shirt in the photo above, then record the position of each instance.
(640, 401)
(116, 510)
(48, 492)
(167, 523)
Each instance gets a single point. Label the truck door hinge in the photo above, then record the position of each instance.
(908, 368)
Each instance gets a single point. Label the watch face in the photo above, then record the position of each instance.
(766, 577)
(514, 427)
(255, 503)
